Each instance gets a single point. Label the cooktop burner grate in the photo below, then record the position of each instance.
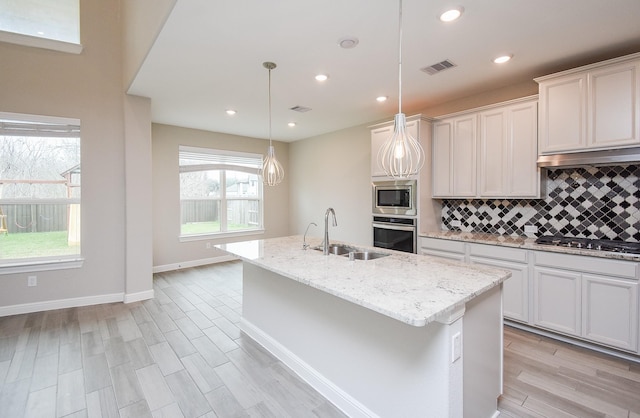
(590, 244)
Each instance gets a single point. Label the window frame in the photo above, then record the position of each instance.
(40, 38)
(223, 167)
(45, 263)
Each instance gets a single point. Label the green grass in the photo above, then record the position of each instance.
(35, 244)
(46, 244)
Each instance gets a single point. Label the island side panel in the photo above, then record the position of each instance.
(483, 354)
(364, 362)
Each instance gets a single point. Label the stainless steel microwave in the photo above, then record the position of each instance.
(394, 197)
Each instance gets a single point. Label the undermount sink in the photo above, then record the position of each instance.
(337, 249)
(366, 255)
(347, 251)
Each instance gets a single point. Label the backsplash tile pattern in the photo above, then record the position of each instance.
(586, 202)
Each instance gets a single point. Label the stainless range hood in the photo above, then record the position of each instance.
(577, 159)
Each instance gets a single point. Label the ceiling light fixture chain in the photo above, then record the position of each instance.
(402, 155)
(272, 171)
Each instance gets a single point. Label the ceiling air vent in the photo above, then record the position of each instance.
(439, 67)
(300, 109)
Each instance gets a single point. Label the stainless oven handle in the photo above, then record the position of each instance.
(394, 227)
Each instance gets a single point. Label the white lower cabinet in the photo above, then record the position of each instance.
(590, 298)
(556, 300)
(515, 290)
(453, 250)
(608, 313)
(586, 297)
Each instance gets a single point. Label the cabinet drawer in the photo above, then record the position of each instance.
(595, 265)
(442, 245)
(498, 252)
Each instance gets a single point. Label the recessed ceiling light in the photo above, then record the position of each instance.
(322, 77)
(291, 124)
(502, 59)
(348, 42)
(451, 14)
(381, 99)
(230, 112)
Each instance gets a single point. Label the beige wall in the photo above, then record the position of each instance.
(87, 86)
(489, 97)
(138, 208)
(168, 251)
(333, 170)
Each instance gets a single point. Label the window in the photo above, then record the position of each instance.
(220, 192)
(39, 190)
(51, 24)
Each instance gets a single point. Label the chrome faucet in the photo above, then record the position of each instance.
(325, 246)
(304, 239)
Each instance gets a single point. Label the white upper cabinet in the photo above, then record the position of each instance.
(489, 152)
(454, 157)
(591, 108)
(378, 137)
(508, 151)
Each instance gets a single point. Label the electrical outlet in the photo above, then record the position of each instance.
(208, 245)
(456, 223)
(32, 280)
(456, 347)
(530, 229)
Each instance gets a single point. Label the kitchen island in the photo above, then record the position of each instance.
(402, 335)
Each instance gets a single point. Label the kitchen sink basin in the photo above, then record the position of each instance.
(337, 249)
(347, 251)
(365, 255)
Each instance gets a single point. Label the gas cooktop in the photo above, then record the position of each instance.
(590, 244)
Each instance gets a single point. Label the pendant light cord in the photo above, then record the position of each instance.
(270, 143)
(400, 59)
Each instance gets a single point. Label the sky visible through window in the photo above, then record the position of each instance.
(57, 20)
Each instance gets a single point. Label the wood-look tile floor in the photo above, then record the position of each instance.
(548, 378)
(178, 355)
(182, 355)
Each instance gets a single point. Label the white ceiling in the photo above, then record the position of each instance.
(209, 55)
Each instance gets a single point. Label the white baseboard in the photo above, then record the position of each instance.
(342, 400)
(59, 304)
(135, 297)
(193, 263)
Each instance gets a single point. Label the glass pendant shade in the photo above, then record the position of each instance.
(272, 171)
(402, 155)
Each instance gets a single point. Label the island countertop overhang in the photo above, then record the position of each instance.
(411, 288)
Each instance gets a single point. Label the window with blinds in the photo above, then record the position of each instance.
(220, 193)
(40, 189)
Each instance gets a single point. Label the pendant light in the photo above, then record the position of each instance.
(272, 171)
(402, 155)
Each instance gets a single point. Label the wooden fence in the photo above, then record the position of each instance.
(35, 217)
(243, 212)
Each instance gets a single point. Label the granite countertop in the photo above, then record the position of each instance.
(414, 289)
(524, 243)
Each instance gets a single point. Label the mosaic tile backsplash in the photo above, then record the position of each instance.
(586, 202)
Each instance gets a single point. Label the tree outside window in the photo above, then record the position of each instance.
(40, 188)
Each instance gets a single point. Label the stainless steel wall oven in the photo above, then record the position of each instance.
(395, 233)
